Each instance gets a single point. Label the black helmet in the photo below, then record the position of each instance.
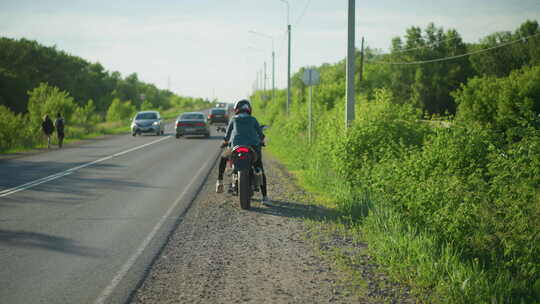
(242, 106)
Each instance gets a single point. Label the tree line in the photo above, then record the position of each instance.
(427, 85)
(36, 80)
(24, 64)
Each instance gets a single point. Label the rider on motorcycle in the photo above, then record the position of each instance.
(244, 130)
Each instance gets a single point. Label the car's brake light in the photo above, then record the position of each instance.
(200, 124)
(183, 124)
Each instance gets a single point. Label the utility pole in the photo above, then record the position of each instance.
(311, 77)
(289, 70)
(265, 78)
(361, 74)
(273, 79)
(288, 57)
(310, 119)
(349, 93)
(258, 80)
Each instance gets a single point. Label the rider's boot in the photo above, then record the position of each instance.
(219, 186)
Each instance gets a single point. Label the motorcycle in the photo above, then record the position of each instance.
(246, 178)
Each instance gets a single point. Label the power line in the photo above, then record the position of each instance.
(456, 56)
(303, 13)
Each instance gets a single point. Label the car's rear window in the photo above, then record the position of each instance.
(146, 116)
(218, 111)
(192, 116)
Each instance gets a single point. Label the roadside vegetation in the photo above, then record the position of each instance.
(451, 209)
(36, 80)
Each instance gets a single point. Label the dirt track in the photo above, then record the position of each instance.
(222, 254)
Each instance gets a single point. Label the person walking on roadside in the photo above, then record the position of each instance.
(47, 127)
(59, 125)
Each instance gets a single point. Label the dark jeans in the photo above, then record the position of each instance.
(258, 164)
(60, 138)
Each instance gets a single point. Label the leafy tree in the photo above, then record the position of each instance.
(49, 100)
(507, 104)
(428, 86)
(502, 61)
(120, 111)
(146, 105)
(24, 64)
(13, 129)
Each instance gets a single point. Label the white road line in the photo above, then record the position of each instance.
(49, 178)
(133, 258)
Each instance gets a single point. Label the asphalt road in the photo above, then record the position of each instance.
(82, 224)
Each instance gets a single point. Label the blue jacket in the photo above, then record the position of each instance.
(244, 130)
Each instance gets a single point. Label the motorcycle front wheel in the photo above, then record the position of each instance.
(244, 189)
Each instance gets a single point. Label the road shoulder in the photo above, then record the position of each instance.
(270, 254)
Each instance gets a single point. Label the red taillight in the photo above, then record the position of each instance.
(242, 150)
(200, 124)
(183, 124)
(211, 115)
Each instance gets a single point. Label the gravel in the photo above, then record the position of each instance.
(220, 253)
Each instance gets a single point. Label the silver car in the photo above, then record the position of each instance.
(147, 122)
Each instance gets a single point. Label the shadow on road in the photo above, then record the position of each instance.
(69, 189)
(17, 171)
(295, 210)
(26, 239)
(199, 137)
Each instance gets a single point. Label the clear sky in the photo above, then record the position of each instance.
(203, 48)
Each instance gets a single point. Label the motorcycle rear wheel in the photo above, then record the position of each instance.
(244, 189)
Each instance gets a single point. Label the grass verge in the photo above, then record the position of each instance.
(341, 242)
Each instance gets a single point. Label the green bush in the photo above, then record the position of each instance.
(465, 192)
(512, 221)
(146, 105)
(454, 211)
(506, 105)
(49, 100)
(120, 111)
(434, 186)
(13, 129)
(381, 128)
(86, 117)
